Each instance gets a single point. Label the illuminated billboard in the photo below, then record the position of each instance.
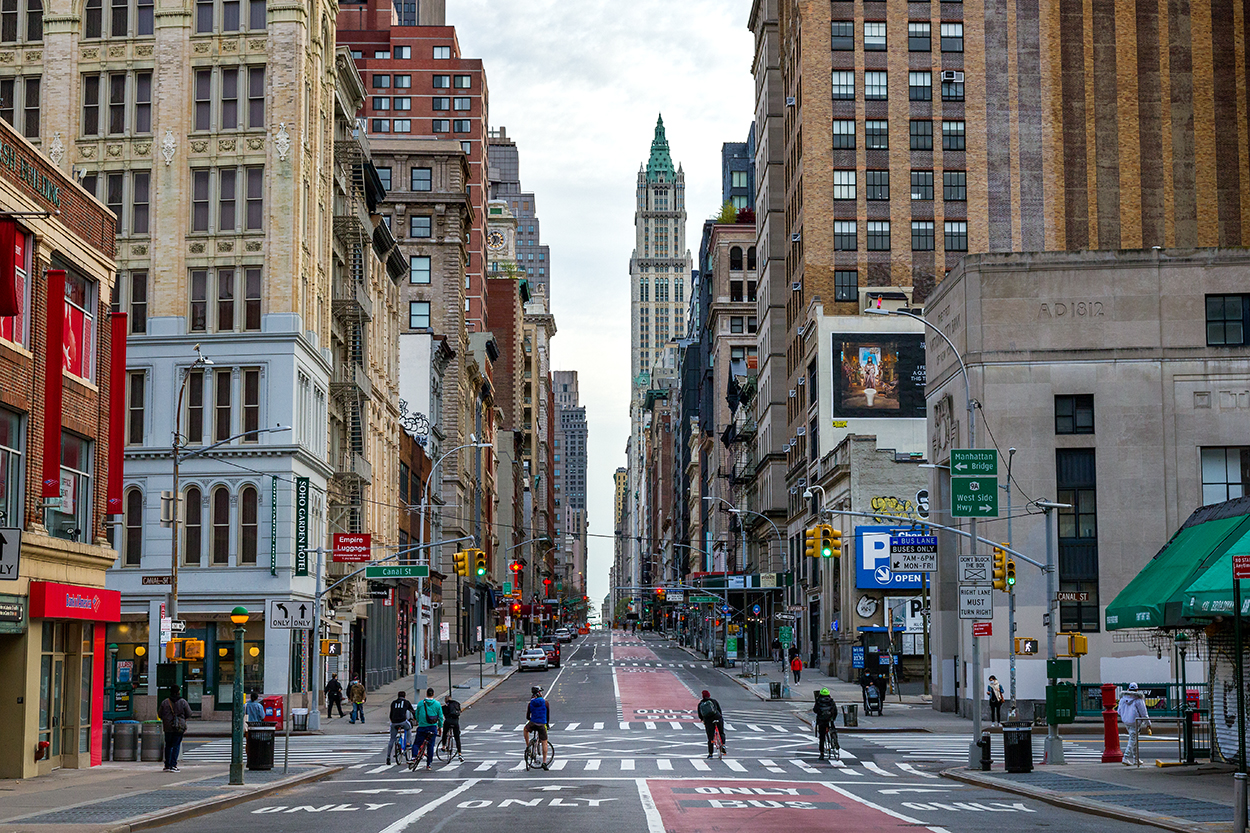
(878, 375)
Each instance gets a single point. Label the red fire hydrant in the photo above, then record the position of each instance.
(1111, 753)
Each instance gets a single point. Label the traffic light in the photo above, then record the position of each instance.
(659, 594)
(811, 541)
(516, 609)
(830, 542)
(1000, 568)
(1011, 576)
(1025, 645)
(460, 561)
(516, 566)
(479, 561)
(331, 648)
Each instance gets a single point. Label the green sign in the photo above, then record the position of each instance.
(520, 642)
(1059, 669)
(507, 588)
(273, 527)
(731, 646)
(974, 461)
(301, 526)
(705, 600)
(974, 497)
(1060, 703)
(397, 571)
(787, 636)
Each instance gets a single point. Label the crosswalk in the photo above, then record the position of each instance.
(954, 748)
(624, 663)
(674, 767)
(689, 723)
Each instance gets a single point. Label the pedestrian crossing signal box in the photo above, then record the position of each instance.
(331, 648)
(184, 649)
(1027, 647)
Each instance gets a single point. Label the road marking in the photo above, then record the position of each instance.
(358, 766)
(598, 726)
(729, 727)
(845, 768)
(560, 764)
(470, 727)
(519, 727)
(735, 766)
(495, 728)
(382, 768)
(908, 768)
(871, 767)
(627, 763)
(804, 765)
(654, 823)
(649, 724)
(675, 724)
(571, 727)
(771, 766)
(592, 764)
(892, 813)
(624, 724)
(518, 767)
(700, 765)
(484, 765)
(404, 823)
(664, 763)
(754, 728)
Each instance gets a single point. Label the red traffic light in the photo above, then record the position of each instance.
(516, 608)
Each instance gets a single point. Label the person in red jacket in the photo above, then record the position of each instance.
(796, 665)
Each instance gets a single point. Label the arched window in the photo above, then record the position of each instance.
(132, 537)
(193, 527)
(735, 257)
(751, 258)
(221, 525)
(249, 525)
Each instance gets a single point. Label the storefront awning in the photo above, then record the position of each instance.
(1156, 595)
(1211, 594)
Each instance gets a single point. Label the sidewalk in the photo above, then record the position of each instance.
(1186, 798)
(121, 797)
(464, 679)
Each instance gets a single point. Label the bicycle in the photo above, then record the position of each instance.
(402, 748)
(718, 741)
(414, 760)
(829, 740)
(534, 753)
(444, 751)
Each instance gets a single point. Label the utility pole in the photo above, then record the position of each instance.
(1011, 595)
(1054, 744)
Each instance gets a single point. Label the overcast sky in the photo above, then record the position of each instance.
(578, 85)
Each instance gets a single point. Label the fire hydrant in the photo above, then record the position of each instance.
(984, 743)
(1111, 753)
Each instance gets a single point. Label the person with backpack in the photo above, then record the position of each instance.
(796, 665)
(174, 712)
(400, 709)
(451, 724)
(709, 712)
(995, 692)
(826, 711)
(429, 713)
(356, 696)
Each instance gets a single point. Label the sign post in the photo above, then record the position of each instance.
(976, 602)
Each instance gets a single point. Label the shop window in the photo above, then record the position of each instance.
(12, 471)
(14, 328)
(72, 519)
(78, 338)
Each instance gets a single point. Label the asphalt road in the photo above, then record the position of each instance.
(631, 756)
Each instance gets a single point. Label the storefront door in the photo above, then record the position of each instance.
(65, 693)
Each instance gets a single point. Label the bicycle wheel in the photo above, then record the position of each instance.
(443, 751)
(531, 761)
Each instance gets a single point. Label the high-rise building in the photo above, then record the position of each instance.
(533, 258)
(570, 475)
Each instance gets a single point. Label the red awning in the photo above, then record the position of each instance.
(53, 600)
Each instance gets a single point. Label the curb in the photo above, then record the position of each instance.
(486, 690)
(209, 805)
(1088, 806)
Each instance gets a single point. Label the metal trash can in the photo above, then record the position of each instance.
(153, 739)
(260, 742)
(126, 740)
(1018, 746)
(850, 714)
(106, 742)
(774, 690)
(299, 720)
(507, 656)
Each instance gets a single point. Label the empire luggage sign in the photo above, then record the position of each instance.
(352, 547)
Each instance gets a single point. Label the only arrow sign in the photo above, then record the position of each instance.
(303, 611)
(285, 613)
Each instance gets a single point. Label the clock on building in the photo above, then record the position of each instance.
(495, 240)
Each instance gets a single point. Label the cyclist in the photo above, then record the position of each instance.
(826, 711)
(537, 719)
(429, 721)
(710, 713)
(400, 709)
(451, 725)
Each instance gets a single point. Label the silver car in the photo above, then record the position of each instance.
(533, 659)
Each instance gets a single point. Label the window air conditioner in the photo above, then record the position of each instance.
(800, 333)
(796, 286)
(796, 237)
(952, 75)
(790, 101)
(801, 381)
(793, 393)
(802, 431)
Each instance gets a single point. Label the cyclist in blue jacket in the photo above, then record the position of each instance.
(537, 718)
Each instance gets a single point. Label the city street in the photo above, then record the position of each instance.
(630, 755)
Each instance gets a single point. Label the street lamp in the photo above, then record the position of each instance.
(179, 442)
(732, 508)
(239, 616)
(974, 751)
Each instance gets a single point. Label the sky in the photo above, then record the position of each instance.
(578, 85)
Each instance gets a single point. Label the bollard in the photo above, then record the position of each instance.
(1111, 753)
(984, 743)
(1239, 802)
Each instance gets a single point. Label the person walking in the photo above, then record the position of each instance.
(254, 710)
(451, 723)
(1133, 715)
(776, 646)
(995, 692)
(174, 712)
(334, 695)
(796, 665)
(356, 696)
(429, 722)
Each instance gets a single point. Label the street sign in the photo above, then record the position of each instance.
(166, 628)
(982, 628)
(10, 552)
(975, 568)
(1241, 565)
(755, 610)
(397, 571)
(352, 548)
(676, 596)
(178, 625)
(702, 600)
(290, 614)
(786, 635)
(444, 631)
(974, 497)
(974, 461)
(1072, 596)
(976, 602)
(912, 553)
(507, 588)
(148, 581)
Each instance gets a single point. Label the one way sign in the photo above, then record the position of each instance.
(10, 552)
(290, 614)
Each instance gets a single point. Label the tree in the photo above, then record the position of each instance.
(728, 214)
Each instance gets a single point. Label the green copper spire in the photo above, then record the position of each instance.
(660, 164)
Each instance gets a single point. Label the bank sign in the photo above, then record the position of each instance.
(872, 562)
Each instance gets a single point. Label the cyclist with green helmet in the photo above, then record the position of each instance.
(826, 711)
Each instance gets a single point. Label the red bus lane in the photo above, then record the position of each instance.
(651, 694)
(626, 648)
(766, 807)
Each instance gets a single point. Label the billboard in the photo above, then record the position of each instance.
(878, 375)
(872, 562)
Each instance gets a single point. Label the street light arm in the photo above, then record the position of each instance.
(962, 367)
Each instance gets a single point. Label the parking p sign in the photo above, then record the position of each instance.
(872, 562)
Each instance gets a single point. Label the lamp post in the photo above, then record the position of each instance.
(239, 617)
(201, 361)
(732, 508)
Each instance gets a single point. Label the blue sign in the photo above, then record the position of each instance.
(755, 609)
(872, 562)
(857, 656)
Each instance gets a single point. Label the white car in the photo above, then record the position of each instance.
(563, 635)
(533, 658)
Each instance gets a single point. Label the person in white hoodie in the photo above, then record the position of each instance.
(1133, 715)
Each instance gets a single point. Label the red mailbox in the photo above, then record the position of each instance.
(273, 710)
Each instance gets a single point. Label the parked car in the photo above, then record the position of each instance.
(533, 659)
(563, 635)
(552, 649)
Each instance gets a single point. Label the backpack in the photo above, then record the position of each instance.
(451, 710)
(826, 708)
(399, 711)
(425, 710)
(708, 710)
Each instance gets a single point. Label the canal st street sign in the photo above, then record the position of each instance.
(398, 571)
(1071, 596)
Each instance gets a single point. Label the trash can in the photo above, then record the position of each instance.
(507, 656)
(126, 740)
(850, 715)
(106, 742)
(153, 740)
(299, 720)
(273, 709)
(260, 737)
(1018, 746)
(774, 690)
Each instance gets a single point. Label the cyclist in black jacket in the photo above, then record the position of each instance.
(451, 724)
(401, 708)
(826, 711)
(709, 712)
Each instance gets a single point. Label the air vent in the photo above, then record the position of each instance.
(802, 432)
(796, 237)
(790, 101)
(793, 393)
(952, 75)
(800, 333)
(796, 286)
(801, 381)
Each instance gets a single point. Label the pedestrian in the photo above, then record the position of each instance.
(356, 696)
(1133, 715)
(794, 651)
(451, 723)
(429, 714)
(865, 680)
(995, 692)
(776, 649)
(254, 710)
(796, 665)
(173, 712)
(334, 695)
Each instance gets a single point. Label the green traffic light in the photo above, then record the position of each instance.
(826, 552)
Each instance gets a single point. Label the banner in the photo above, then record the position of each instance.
(118, 434)
(353, 547)
(273, 527)
(301, 526)
(53, 362)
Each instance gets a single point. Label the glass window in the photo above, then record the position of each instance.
(403, 82)
(874, 36)
(419, 269)
(845, 285)
(1074, 414)
(878, 235)
(843, 84)
(844, 185)
(441, 125)
(72, 519)
(461, 103)
(249, 524)
(221, 526)
(844, 234)
(876, 86)
(461, 126)
(136, 395)
(13, 328)
(419, 315)
(922, 185)
(736, 324)
(1228, 318)
(952, 86)
(256, 94)
(922, 235)
(919, 37)
(877, 185)
(403, 125)
(419, 226)
(1075, 472)
(920, 86)
(463, 82)
(221, 405)
(952, 135)
(952, 37)
(12, 468)
(442, 82)
(79, 336)
(384, 174)
(877, 135)
(193, 527)
(442, 53)
(251, 406)
(842, 36)
(921, 131)
(1225, 474)
(132, 531)
(844, 134)
(381, 80)
(380, 103)
(422, 179)
(956, 236)
(441, 103)
(955, 186)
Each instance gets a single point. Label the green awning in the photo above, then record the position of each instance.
(1211, 594)
(1156, 595)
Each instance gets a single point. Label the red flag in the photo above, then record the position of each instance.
(117, 415)
(54, 360)
(10, 304)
